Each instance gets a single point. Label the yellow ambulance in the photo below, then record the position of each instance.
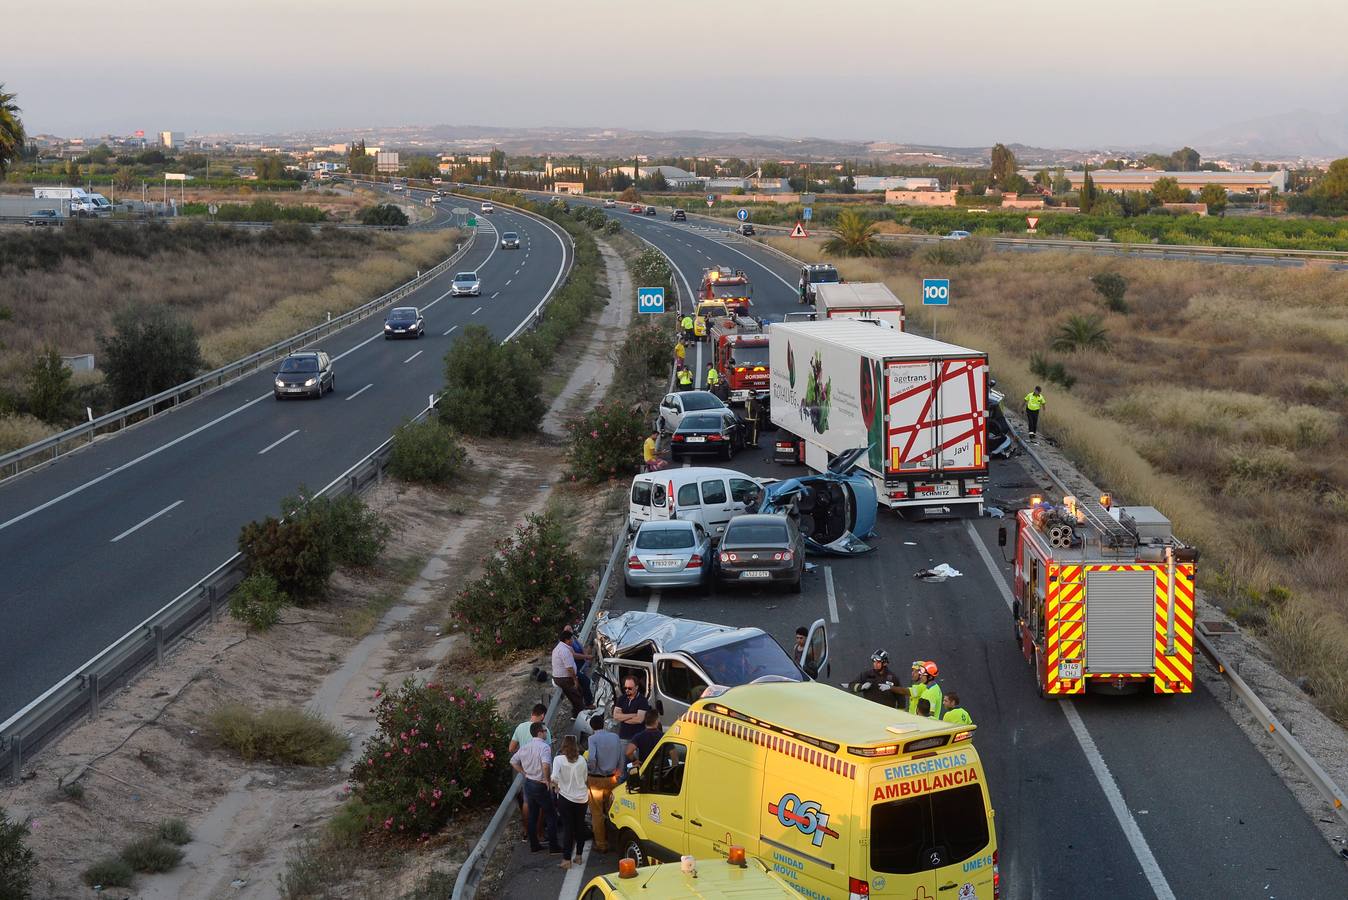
(844, 798)
(738, 878)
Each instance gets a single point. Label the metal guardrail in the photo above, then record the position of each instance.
(51, 448)
(470, 874)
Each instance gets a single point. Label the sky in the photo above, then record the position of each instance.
(1054, 74)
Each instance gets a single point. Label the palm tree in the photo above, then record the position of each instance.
(11, 130)
(855, 236)
(1081, 333)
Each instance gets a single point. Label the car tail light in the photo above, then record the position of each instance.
(678, 438)
(996, 878)
(784, 556)
(975, 491)
(729, 557)
(858, 889)
(634, 563)
(695, 562)
(715, 437)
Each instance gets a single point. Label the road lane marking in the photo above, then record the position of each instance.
(494, 296)
(451, 331)
(653, 604)
(359, 392)
(413, 356)
(476, 311)
(508, 281)
(697, 373)
(278, 443)
(832, 597)
(574, 879)
(145, 522)
(1136, 839)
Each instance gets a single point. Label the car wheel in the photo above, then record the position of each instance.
(704, 587)
(631, 848)
(629, 590)
(276, 395)
(727, 452)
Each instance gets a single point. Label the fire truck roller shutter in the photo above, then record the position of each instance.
(1120, 622)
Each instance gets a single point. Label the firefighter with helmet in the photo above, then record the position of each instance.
(877, 682)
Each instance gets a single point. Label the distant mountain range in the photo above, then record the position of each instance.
(1299, 133)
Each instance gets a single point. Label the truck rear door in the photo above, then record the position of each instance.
(937, 416)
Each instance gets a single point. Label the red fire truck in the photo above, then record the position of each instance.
(740, 354)
(1104, 596)
(730, 286)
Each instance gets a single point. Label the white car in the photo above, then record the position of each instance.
(675, 406)
(397, 187)
(488, 208)
(956, 235)
(466, 284)
(610, 203)
(434, 198)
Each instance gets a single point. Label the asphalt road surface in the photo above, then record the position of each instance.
(1105, 796)
(92, 545)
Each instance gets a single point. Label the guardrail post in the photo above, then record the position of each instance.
(159, 645)
(210, 602)
(94, 699)
(16, 759)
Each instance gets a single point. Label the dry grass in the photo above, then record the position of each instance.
(1223, 403)
(20, 431)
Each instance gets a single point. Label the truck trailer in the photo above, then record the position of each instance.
(858, 300)
(918, 406)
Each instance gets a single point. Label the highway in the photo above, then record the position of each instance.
(93, 544)
(1135, 796)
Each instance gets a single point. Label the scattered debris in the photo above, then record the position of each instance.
(938, 573)
(994, 513)
(910, 543)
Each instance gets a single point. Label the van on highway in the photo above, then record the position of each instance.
(708, 496)
(841, 796)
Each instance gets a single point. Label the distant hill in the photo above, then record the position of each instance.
(1299, 133)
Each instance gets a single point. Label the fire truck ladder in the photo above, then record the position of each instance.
(1113, 533)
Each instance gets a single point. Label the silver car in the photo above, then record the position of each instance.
(671, 554)
(466, 284)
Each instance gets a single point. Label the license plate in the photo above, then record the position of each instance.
(756, 574)
(665, 563)
(697, 440)
(1069, 669)
(293, 390)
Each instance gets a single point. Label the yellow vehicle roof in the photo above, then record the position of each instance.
(824, 712)
(716, 880)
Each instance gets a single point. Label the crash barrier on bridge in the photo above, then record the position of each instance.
(470, 875)
(1282, 738)
(220, 223)
(79, 694)
(52, 448)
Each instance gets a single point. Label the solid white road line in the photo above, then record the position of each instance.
(1136, 840)
(697, 373)
(832, 597)
(359, 392)
(451, 331)
(413, 356)
(476, 311)
(653, 604)
(278, 443)
(145, 522)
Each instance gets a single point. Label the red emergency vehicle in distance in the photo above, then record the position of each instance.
(740, 354)
(730, 286)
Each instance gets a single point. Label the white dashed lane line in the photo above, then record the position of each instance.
(359, 392)
(145, 522)
(451, 331)
(275, 444)
(478, 310)
(413, 356)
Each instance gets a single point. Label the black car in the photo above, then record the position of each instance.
(650, 210)
(760, 548)
(678, 215)
(43, 217)
(717, 431)
(404, 321)
(306, 374)
(745, 228)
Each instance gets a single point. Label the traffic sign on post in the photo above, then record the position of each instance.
(651, 300)
(711, 198)
(936, 292)
(799, 231)
(809, 213)
(472, 221)
(742, 214)
(1033, 222)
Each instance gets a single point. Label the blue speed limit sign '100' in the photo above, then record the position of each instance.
(651, 300)
(742, 215)
(936, 292)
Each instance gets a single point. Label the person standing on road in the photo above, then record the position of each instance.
(931, 688)
(573, 793)
(685, 379)
(801, 634)
(680, 353)
(877, 682)
(924, 708)
(534, 762)
(1034, 402)
(605, 770)
(640, 747)
(713, 377)
(686, 323)
(648, 452)
(953, 712)
(518, 740)
(564, 672)
(582, 666)
(629, 711)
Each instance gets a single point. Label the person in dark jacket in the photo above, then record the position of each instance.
(877, 683)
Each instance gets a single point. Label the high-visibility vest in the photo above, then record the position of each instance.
(713, 377)
(687, 322)
(931, 692)
(685, 377)
(957, 715)
(679, 350)
(1034, 402)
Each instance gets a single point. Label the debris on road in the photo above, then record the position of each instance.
(938, 573)
(994, 513)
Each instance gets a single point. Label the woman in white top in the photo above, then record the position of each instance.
(570, 784)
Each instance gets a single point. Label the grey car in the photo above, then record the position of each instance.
(510, 241)
(761, 548)
(669, 554)
(306, 374)
(43, 217)
(675, 406)
(466, 284)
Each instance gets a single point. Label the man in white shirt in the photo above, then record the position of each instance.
(564, 672)
(518, 740)
(534, 762)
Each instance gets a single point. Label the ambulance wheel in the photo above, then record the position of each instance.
(631, 848)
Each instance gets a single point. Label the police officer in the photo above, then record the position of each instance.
(685, 379)
(877, 683)
(953, 712)
(1034, 402)
(686, 323)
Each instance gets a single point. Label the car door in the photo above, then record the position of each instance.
(669, 412)
(679, 682)
(814, 658)
(688, 506)
(662, 802)
(325, 369)
(744, 494)
(717, 506)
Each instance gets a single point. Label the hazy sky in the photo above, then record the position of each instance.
(970, 73)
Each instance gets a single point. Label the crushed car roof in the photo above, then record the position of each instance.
(632, 629)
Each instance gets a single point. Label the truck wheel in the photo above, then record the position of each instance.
(631, 848)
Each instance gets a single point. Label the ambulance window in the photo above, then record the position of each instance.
(688, 495)
(593, 893)
(664, 773)
(641, 493)
(928, 831)
(899, 832)
(961, 823)
(713, 491)
(678, 682)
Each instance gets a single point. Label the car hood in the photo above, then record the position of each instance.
(295, 377)
(665, 634)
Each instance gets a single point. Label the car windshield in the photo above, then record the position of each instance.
(664, 538)
(751, 356)
(826, 276)
(511, 236)
(743, 661)
(300, 364)
(403, 315)
(466, 276)
(701, 401)
(700, 423)
(749, 534)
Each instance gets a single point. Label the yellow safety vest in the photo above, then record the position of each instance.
(713, 377)
(685, 377)
(1034, 402)
(648, 450)
(687, 322)
(958, 715)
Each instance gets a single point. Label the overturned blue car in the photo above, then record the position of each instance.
(835, 510)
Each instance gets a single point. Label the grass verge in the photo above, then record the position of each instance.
(279, 735)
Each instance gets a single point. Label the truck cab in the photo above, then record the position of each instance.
(729, 286)
(741, 356)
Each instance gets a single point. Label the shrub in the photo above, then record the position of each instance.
(437, 751)
(279, 735)
(296, 554)
(1052, 372)
(531, 585)
(854, 236)
(650, 269)
(151, 854)
(612, 226)
(175, 831)
(426, 452)
(111, 871)
(257, 602)
(605, 442)
(644, 355)
(383, 214)
(50, 393)
(491, 389)
(1081, 333)
(150, 350)
(17, 861)
(354, 533)
(1112, 286)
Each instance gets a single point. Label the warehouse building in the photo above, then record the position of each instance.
(1143, 180)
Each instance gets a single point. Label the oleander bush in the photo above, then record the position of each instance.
(426, 452)
(605, 442)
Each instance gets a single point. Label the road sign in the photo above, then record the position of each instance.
(809, 213)
(711, 198)
(460, 210)
(799, 231)
(742, 215)
(710, 204)
(212, 209)
(472, 221)
(807, 199)
(936, 292)
(651, 300)
(1033, 222)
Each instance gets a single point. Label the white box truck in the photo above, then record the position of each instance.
(858, 300)
(82, 202)
(919, 407)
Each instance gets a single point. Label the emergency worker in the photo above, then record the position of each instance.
(713, 377)
(1034, 402)
(685, 379)
(953, 712)
(877, 682)
(686, 323)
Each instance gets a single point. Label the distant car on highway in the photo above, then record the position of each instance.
(956, 235)
(43, 217)
(488, 208)
(510, 241)
(397, 187)
(610, 203)
(404, 321)
(745, 228)
(305, 374)
(466, 284)
(434, 198)
(636, 208)
(760, 548)
(678, 215)
(650, 210)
